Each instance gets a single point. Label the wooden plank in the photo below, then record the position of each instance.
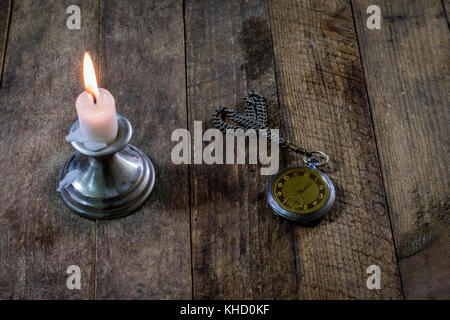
(5, 6)
(240, 249)
(147, 255)
(39, 236)
(446, 5)
(407, 75)
(324, 105)
(425, 275)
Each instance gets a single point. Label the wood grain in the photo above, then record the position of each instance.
(407, 74)
(446, 6)
(5, 6)
(206, 231)
(147, 255)
(39, 236)
(425, 274)
(240, 250)
(324, 105)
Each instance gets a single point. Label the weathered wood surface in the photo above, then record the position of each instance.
(5, 6)
(206, 231)
(407, 73)
(406, 65)
(239, 249)
(39, 236)
(324, 106)
(425, 275)
(446, 6)
(147, 255)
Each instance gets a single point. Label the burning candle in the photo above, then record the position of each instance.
(96, 108)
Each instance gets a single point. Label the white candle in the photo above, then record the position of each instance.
(98, 121)
(96, 108)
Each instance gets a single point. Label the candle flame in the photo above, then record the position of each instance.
(90, 80)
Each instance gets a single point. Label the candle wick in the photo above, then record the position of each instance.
(93, 97)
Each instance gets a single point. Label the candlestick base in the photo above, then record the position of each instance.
(112, 182)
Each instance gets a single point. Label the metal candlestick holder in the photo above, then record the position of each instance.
(112, 182)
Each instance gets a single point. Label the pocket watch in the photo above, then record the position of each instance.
(302, 194)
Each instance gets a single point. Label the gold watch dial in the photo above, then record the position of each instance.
(301, 190)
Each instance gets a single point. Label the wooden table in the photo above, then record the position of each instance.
(376, 100)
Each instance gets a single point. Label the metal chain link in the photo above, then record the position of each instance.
(255, 118)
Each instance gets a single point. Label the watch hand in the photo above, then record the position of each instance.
(307, 187)
(301, 190)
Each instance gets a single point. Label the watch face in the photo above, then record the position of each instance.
(301, 190)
